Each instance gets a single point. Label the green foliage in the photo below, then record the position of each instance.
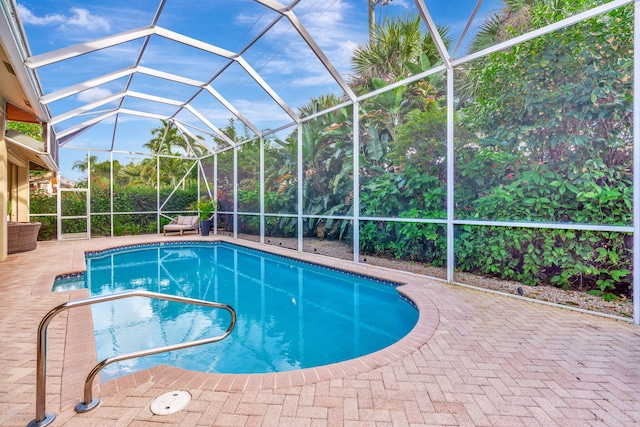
(281, 226)
(565, 258)
(409, 194)
(404, 240)
(554, 114)
(544, 135)
(607, 296)
(127, 199)
(249, 224)
(397, 50)
(132, 224)
(34, 130)
(327, 152)
(422, 142)
(249, 197)
(205, 207)
(41, 203)
(597, 195)
(48, 227)
(560, 99)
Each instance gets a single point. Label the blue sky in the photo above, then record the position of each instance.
(281, 57)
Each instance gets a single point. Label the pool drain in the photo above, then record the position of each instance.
(170, 403)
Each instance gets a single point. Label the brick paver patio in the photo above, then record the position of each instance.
(475, 359)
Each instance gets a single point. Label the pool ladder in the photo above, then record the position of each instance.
(89, 402)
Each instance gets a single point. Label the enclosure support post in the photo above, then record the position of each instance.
(450, 179)
(215, 192)
(236, 221)
(300, 182)
(158, 184)
(111, 198)
(356, 182)
(635, 263)
(262, 189)
(88, 199)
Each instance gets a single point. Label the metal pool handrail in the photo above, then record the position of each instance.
(42, 418)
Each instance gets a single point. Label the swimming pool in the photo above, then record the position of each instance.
(290, 314)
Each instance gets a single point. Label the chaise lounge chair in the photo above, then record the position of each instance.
(182, 224)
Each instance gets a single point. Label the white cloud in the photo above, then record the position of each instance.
(401, 3)
(338, 43)
(29, 18)
(258, 21)
(262, 114)
(77, 18)
(94, 94)
(84, 19)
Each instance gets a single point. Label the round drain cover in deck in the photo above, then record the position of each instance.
(170, 403)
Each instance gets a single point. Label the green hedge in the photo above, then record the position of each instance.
(126, 199)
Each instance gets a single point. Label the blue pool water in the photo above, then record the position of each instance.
(290, 314)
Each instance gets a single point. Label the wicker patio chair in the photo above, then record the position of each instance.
(22, 236)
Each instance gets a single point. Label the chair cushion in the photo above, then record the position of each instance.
(182, 220)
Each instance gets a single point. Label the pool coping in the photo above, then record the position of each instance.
(424, 329)
(409, 283)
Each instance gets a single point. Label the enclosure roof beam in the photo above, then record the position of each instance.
(143, 114)
(311, 43)
(189, 125)
(87, 107)
(85, 124)
(168, 76)
(153, 98)
(210, 125)
(183, 129)
(87, 47)
(198, 44)
(127, 36)
(232, 109)
(112, 98)
(274, 5)
(232, 56)
(607, 7)
(106, 116)
(476, 9)
(88, 84)
(435, 34)
(106, 78)
(256, 77)
(106, 42)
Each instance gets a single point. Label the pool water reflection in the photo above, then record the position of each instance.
(290, 314)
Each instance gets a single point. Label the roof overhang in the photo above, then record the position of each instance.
(19, 115)
(23, 149)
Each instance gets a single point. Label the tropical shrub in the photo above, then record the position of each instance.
(554, 116)
(571, 259)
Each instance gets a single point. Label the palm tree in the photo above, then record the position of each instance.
(98, 169)
(165, 138)
(135, 175)
(512, 20)
(322, 102)
(372, 14)
(395, 47)
(502, 24)
(82, 166)
(167, 141)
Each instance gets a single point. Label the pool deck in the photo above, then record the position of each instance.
(474, 359)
